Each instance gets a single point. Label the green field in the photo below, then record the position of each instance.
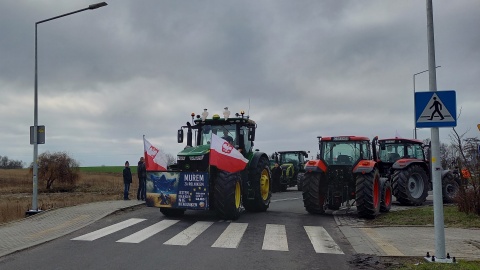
(107, 169)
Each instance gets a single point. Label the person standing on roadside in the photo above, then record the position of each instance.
(127, 180)
(142, 179)
(276, 175)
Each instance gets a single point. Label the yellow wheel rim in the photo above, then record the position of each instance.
(238, 195)
(264, 184)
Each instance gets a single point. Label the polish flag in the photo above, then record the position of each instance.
(225, 156)
(154, 159)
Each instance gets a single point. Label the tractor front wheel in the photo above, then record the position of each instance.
(368, 194)
(228, 195)
(410, 185)
(313, 193)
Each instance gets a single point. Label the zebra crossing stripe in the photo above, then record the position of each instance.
(231, 237)
(275, 238)
(109, 230)
(148, 232)
(189, 234)
(322, 241)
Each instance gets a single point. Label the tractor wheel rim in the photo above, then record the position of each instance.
(264, 184)
(415, 186)
(238, 196)
(388, 197)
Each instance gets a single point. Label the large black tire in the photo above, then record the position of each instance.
(313, 193)
(172, 212)
(386, 196)
(410, 185)
(228, 195)
(367, 192)
(450, 188)
(259, 180)
(299, 181)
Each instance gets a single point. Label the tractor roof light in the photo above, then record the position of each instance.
(216, 117)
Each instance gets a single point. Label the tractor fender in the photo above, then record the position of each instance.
(364, 166)
(315, 166)
(254, 160)
(445, 172)
(405, 162)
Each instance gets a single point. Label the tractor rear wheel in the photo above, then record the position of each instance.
(259, 180)
(313, 194)
(410, 185)
(450, 188)
(368, 195)
(228, 195)
(172, 212)
(386, 202)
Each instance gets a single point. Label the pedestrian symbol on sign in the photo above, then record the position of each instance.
(438, 107)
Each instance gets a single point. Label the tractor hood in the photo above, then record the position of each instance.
(195, 151)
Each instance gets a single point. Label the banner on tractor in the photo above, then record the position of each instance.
(188, 190)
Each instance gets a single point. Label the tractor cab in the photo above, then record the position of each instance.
(239, 131)
(388, 151)
(344, 151)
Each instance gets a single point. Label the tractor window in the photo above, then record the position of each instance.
(289, 158)
(392, 153)
(415, 151)
(345, 153)
(226, 132)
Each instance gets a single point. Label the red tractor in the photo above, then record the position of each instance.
(345, 171)
(405, 163)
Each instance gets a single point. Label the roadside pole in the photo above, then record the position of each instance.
(435, 148)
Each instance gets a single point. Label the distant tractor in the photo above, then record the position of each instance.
(405, 162)
(194, 183)
(344, 172)
(292, 164)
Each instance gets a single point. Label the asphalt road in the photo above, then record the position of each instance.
(284, 237)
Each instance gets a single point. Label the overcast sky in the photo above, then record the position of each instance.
(301, 69)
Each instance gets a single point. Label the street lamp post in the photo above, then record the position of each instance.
(35, 209)
(415, 120)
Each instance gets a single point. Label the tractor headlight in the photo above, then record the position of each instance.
(196, 157)
(180, 157)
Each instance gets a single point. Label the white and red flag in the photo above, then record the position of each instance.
(225, 156)
(154, 159)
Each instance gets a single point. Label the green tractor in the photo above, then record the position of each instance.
(292, 164)
(194, 183)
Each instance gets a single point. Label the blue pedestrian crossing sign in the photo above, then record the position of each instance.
(435, 109)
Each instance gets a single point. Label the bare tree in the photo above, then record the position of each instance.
(57, 167)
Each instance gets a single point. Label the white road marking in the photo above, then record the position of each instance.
(231, 237)
(322, 241)
(109, 230)
(275, 238)
(148, 232)
(189, 234)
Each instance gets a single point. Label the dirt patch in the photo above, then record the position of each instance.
(363, 261)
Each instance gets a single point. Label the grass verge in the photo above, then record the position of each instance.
(423, 216)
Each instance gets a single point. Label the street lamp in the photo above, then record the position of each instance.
(415, 120)
(34, 209)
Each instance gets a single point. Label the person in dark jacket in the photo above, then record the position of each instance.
(127, 180)
(276, 174)
(142, 179)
